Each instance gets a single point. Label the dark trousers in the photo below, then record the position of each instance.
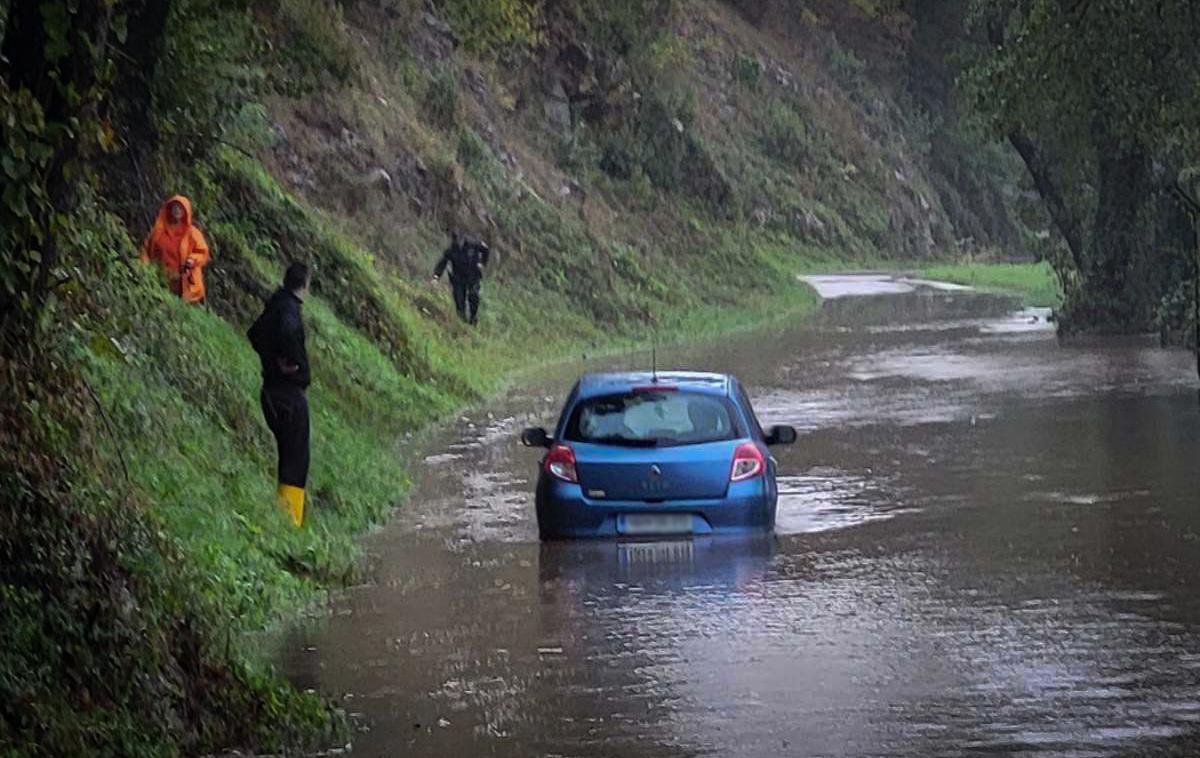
(286, 410)
(466, 298)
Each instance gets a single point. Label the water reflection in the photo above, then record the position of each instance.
(647, 567)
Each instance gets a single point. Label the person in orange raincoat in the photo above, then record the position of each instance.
(179, 247)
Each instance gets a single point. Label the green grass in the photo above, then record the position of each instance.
(1034, 282)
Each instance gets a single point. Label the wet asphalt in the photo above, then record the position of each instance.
(988, 544)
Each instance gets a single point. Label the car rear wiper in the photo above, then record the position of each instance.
(624, 441)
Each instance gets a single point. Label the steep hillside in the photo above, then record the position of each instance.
(792, 130)
(638, 167)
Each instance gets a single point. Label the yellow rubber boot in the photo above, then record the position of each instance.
(291, 499)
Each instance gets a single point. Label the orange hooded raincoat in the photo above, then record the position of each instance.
(180, 249)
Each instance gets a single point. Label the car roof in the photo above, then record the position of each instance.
(612, 383)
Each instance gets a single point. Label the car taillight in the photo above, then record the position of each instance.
(560, 463)
(748, 462)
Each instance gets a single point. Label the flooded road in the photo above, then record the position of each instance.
(988, 544)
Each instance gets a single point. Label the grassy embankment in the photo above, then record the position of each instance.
(1036, 283)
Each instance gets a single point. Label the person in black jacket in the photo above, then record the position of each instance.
(467, 257)
(278, 338)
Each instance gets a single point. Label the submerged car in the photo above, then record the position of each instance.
(651, 454)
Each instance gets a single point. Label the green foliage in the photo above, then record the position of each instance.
(115, 636)
(621, 28)
(440, 101)
(496, 26)
(208, 74)
(472, 150)
(670, 53)
(662, 146)
(1099, 125)
(49, 94)
(271, 220)
(748, 71)
(96, 600)
(25, 153)
(846, 65)
(1064, 61)
(311, 50)
(785, 135)
(577, 152)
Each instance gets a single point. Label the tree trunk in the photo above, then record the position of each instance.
(130, 178)
(1117, 284)
(1061, 213)
(143, 48)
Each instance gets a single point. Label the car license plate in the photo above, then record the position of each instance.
(676, 553)
(654, 523)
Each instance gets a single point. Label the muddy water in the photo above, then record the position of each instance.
(988, 544)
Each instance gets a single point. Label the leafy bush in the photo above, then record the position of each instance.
(846, 65)
(747, 71)
(495, 26)
(675, 158)
(578, 153)
(621, 28)
(785, 135)
(208, 73)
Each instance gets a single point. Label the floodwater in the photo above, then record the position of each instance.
(988, 544)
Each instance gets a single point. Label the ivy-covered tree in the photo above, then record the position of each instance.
(1098, 98)
(55, 60)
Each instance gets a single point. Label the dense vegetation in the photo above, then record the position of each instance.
(638, 165)
(1098, 98)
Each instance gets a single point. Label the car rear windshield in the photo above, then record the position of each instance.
(652, 419)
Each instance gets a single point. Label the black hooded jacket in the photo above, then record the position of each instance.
(466, 260)
(278, 338)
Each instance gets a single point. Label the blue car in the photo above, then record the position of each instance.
(656, 454)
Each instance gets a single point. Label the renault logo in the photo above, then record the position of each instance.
(655, 471)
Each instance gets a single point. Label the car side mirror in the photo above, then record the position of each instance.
(781, 435)
(535, 436)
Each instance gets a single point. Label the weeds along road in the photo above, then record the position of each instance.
(987, 542)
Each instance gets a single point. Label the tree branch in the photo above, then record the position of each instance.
(1063, 216)
(111, 431)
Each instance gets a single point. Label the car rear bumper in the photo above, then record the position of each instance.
(564, 512)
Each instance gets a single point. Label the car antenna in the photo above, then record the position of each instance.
(654, 358)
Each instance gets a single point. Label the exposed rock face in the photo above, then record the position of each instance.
(379, 180)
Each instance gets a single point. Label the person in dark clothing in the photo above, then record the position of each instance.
(278, 338)
(466, 257)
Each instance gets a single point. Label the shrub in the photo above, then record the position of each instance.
(472, 150)
(747, 71)
(784, 135)
(846, 65)
(495, 26)
(440, 101)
